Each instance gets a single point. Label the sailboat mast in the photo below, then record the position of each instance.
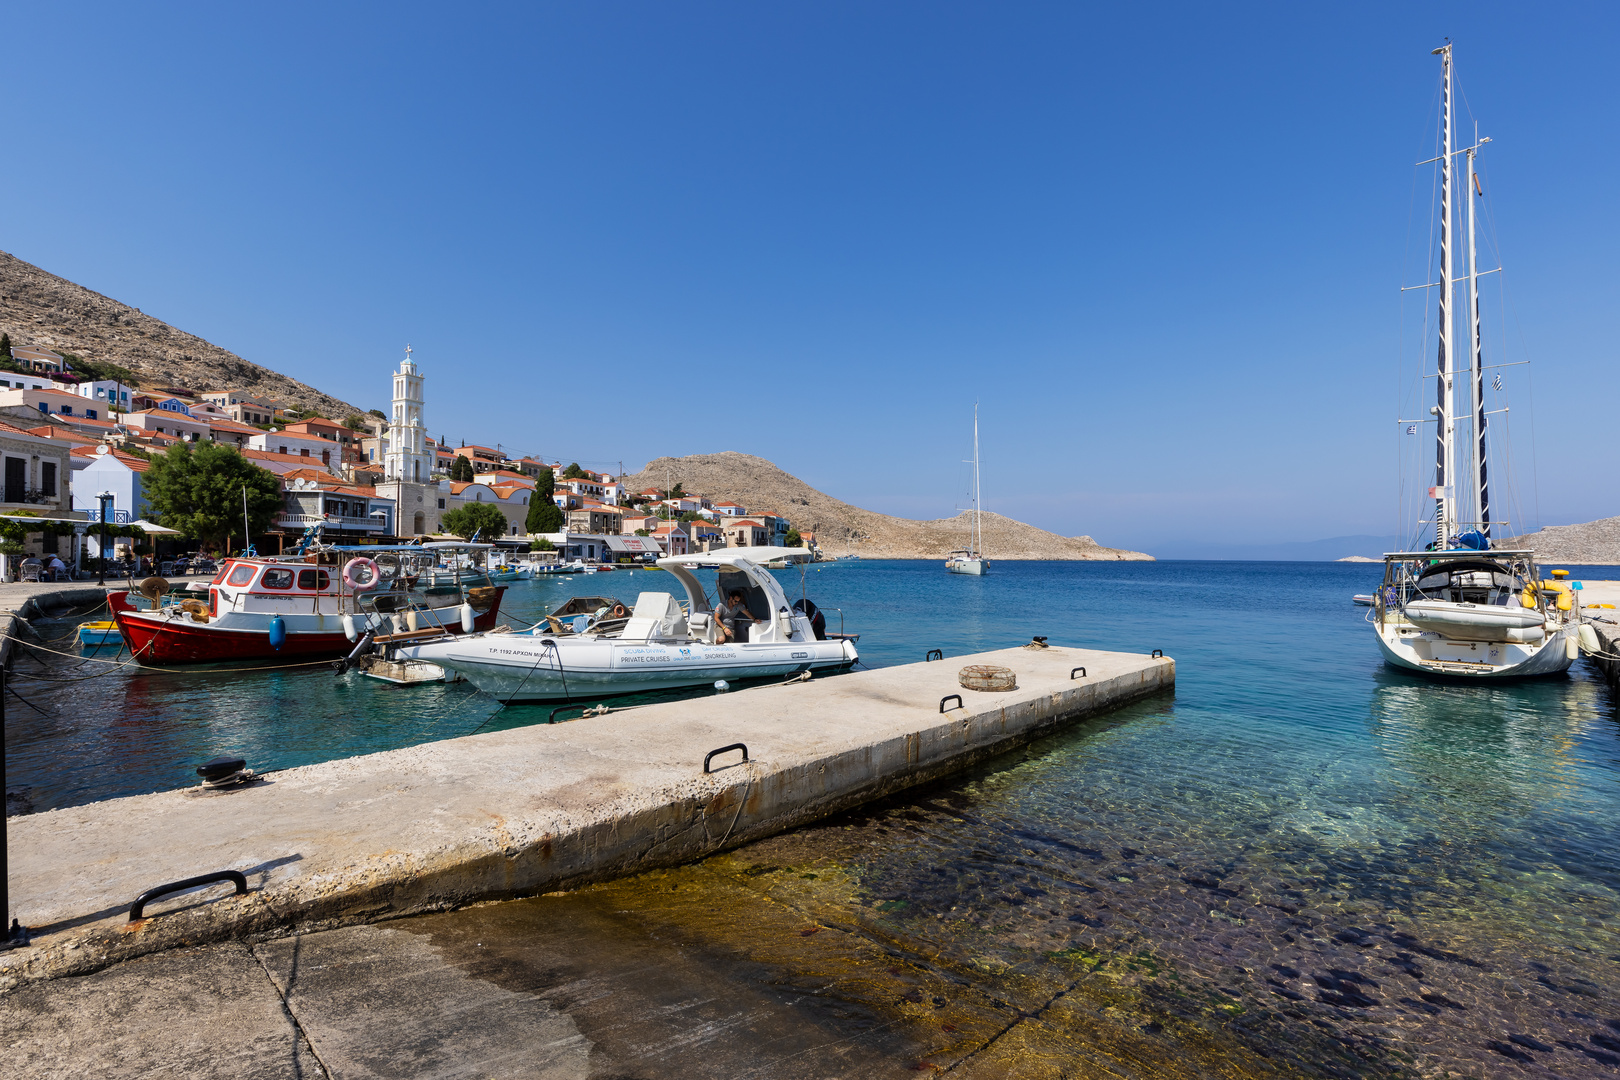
(1477, 361)
(978, 529)
(1445, 423)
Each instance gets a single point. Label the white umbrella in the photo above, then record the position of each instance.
(149, 527)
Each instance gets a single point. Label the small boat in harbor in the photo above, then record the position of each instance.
(1458, 607)
(96, 634)
(971, 560)
(660, 643)
(306, 605)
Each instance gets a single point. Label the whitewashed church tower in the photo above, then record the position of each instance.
(408, 460)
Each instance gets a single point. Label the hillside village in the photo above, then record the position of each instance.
(72, 441)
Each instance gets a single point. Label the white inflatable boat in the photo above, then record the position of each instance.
(1477, 622)
(660, 644)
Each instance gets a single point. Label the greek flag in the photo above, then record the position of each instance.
(1411, 429)
(1496, 382)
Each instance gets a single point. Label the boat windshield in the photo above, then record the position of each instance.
(730, 580)
(1467, 584)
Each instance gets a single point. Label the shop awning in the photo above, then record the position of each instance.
(633, 545)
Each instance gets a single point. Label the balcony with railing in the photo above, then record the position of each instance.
(344, 522)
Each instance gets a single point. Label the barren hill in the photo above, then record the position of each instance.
(41, 310)
(1593, 542)
(843, 529)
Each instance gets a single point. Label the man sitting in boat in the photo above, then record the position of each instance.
(731, 615)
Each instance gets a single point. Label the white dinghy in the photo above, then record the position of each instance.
(1476, 622)
(662, 643)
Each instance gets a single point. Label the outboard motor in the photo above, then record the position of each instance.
(818, 621)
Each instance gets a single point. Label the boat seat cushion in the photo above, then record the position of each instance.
(656, 615)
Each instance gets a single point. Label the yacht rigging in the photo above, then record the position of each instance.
(971, 560)
(1458, 607)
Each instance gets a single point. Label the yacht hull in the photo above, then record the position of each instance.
(1428, 653)
(976, 567)
(523, 667)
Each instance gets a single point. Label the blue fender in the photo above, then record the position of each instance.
(278, 632)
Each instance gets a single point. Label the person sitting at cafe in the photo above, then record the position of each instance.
(58, 568)
(735, 618)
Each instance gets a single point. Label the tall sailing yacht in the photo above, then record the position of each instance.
(1459, 607)
(971, 560)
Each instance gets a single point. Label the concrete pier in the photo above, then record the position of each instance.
(1606, 621)
(21, 601)
(528, 810)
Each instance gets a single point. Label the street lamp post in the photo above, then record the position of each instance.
(105, 499)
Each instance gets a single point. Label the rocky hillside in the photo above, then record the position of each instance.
(42, 310)
(1594, 542)
(842, 529)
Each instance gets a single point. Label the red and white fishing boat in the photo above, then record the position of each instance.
(269, 608)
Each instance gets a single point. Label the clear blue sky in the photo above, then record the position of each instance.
(1160, 245)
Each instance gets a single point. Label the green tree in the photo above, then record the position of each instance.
(542, 544)
(545, 516)
(573, 472)
(197, 488)
(355, 423)
(643, 532)
(475, 518)
(461, 469)
(793, 539)
(5, 346)
(676, 492)
(378, 413)
(693, 515)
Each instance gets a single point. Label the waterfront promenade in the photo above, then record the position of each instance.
(526, 810)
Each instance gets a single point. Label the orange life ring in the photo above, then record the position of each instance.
(619, 611)
(372, 578)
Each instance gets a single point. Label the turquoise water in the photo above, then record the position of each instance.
(1311, 851)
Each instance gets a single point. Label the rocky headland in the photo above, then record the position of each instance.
(842, 529)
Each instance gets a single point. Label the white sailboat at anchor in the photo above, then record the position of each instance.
(1460, 608)
(971, 560)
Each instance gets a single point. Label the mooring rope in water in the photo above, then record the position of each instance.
(169, 671)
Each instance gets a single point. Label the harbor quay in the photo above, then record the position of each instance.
(1605, 623)
(525, 811)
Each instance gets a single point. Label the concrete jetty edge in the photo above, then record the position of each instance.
(527, 810)
(20, 602)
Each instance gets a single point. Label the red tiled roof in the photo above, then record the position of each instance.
(270, 455)
(46, 431)
(136, 464)
(327, 483)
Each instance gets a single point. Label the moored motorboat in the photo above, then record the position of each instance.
(660, 643)
(272, 608)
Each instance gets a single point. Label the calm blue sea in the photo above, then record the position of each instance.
(1298, 835)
